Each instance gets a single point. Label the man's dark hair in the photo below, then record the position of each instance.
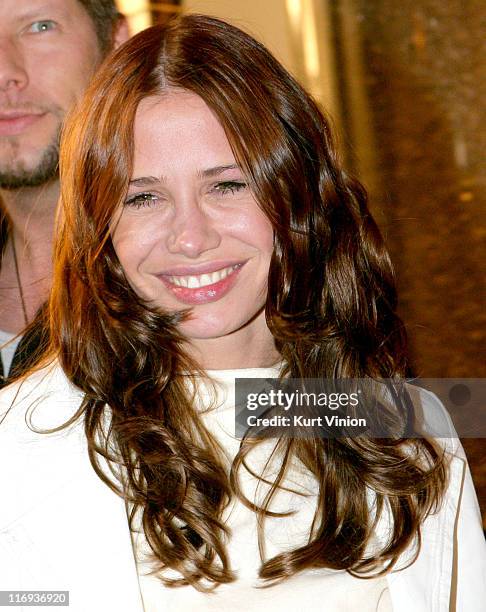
(104, 15)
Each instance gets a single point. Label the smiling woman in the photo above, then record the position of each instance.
(201, 239)
(207, 224)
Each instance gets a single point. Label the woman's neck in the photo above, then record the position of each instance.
(235, 351)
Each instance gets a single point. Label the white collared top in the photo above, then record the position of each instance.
(62, 528)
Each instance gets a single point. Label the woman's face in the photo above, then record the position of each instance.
(191, 234)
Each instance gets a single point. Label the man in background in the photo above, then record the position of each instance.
(49, 50)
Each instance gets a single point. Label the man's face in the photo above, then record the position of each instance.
(48, 53)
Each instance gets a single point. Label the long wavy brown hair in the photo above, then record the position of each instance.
(330, 307)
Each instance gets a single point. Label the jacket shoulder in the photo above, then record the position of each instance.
(46, 398)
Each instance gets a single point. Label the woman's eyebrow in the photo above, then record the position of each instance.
(210, 172)
(145, 181)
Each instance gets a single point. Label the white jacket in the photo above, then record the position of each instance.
(62, 528)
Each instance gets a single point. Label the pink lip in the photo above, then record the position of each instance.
(16, 122)
(201, 295)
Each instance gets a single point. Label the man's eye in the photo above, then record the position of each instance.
(42, 26)
(229, 187)
(141, 199)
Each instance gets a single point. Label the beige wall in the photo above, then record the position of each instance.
(137, 12)
(266, 20)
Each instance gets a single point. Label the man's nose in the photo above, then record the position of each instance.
(13, 74)
(192, 233)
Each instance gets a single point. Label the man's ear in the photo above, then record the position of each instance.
(121, 31)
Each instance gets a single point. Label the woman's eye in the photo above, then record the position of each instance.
(140, 200)
(229, 187)
(42, 26)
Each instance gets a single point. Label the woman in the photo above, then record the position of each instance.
(208, 231)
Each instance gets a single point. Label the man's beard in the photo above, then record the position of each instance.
(46, 170)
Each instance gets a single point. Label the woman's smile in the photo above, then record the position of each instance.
(202, 288)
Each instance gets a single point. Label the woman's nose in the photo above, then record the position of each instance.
(192, 233)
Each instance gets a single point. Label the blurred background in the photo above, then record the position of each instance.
(405, 85)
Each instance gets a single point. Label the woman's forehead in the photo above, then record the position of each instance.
(171, 96)
(178, 130)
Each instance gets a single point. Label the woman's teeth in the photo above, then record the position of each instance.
(196, 282)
